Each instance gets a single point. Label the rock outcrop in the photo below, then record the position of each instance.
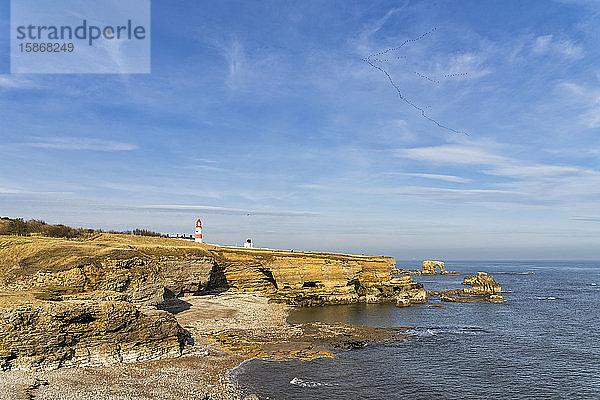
(407, 291)
(483, 288)
(49, 335)
(429, 267)
(483, 285)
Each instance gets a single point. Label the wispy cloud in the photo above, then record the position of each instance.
(228, 210)
(548, 45)
(586, 219)
(236, 60)
(464, 66)
(530, 182)
(364, 37)
(205, 167)
(452, 153)
(16, 82)
(587, 98)
(9, 191)
(4, 190)
(447, 178)
(74, 143)
(426, 193)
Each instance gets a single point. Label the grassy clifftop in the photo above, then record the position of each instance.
(123, 262)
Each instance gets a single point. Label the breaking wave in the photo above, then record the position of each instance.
(302, 383)
(428, 332)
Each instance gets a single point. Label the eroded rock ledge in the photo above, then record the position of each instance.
(304, 341)
(49, 335)
(483, 288)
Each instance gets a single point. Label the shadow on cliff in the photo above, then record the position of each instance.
(217, 281)
(174, 305)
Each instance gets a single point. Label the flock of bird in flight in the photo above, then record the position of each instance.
(376, 61)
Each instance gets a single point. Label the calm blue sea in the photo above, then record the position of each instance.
(543, 342)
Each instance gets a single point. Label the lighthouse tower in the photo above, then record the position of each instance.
(199, 231)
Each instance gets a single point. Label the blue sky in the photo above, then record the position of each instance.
(262, 119)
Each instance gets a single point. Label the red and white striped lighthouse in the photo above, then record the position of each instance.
(199, 231)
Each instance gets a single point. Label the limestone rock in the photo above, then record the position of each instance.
(131, 265)
(308, 279)
(403, 302)
(49, 335)
(483, 288)
(407, 291)
(482, 284)
(151, 295)
(429, 267)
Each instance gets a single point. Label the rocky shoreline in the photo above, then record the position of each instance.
(155, 318)
(225, 329)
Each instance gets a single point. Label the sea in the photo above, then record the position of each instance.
(543, 342)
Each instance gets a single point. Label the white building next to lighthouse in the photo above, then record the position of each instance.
(198, 231)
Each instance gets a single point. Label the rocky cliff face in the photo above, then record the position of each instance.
(307, 278)
(49, 335)
(148, 272)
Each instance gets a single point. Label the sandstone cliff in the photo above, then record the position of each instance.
(139, 267)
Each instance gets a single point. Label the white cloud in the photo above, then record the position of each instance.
(452, 153)
(362, 43)
(547, 44)
(236, 61)
(9, 191)
(217, 209)
(464, 66)
(16, 82)
(586, 219)
(534, 171)
(447, 178)
(588, 98)
(255, 70)
(205, 167)
(73, 143)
